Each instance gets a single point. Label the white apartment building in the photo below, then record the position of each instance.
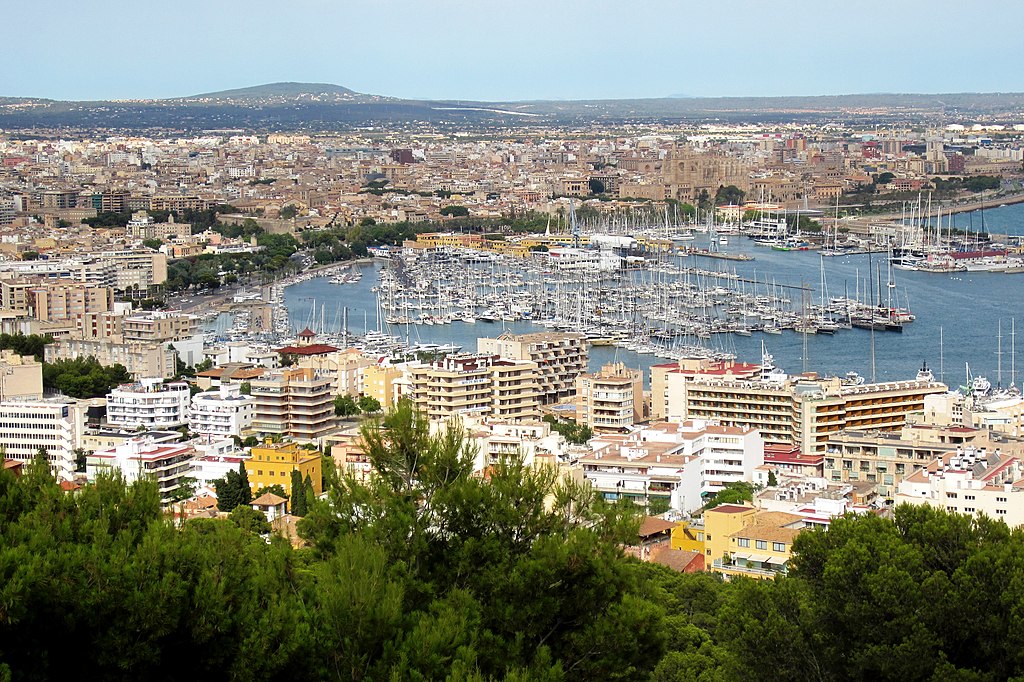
(215, 457)
(679, 463)
(222, 412)
(166, 463)
(970, 481)
(56, 426)
(149, 403)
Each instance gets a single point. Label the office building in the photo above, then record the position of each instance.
(56, 426)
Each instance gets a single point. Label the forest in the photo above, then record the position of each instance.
(428, 572)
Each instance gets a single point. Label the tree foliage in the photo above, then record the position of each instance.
(83, 377)
(426, 571)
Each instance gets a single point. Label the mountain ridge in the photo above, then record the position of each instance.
(324, 106)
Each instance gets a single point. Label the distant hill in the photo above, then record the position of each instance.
(275, 90)
(323, 106)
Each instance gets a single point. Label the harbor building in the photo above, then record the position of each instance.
(169, 464)
(679, 464)
(293, 402)
(560, 358)
(971, 481)
(149, 404)
(56, 426)
(222, 412)
(472, 383)
(273, 464)
(611, 399)
(803, 410)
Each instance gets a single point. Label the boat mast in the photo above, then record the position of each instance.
(999, 353)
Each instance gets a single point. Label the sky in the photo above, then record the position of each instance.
(514, 50)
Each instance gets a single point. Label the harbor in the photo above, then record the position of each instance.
(958, 320)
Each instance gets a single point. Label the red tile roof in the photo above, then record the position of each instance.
(311, 349)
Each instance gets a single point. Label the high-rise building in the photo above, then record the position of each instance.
(26, 426)
(610, 400)
(480, 384)
(293, 402)
(560, 358)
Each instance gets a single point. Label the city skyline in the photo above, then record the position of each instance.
(531, 50)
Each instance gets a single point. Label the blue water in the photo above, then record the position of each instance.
(966, 307)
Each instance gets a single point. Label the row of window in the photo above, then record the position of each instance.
(761, 544)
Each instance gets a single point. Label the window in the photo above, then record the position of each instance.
(1000, 499)
(968, 497)
(1000, 511)
(778, 546)
(761, 544)
(969, 509)
(951, 495)
(743, 542)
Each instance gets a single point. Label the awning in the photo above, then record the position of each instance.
(737, 555)
(763, 558)
(777, 560)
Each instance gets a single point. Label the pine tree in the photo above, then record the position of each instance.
(245, 490)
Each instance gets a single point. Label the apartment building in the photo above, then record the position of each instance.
(611, 399)
(560, 359)
(293, 402)
(222, 412)
(21, 377)
(53, 425)
(136, 268)
(760, 548)
(883, 459)
(273, 463)
(68, 300)
(344, 368)
(971, 481)
(169, 464)
(159, 327)
(804, 410)
(149, 403)
(140, 359)
(480, 384)
(383, 384)
(678, 464)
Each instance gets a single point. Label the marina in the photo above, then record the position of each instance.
(957, 316)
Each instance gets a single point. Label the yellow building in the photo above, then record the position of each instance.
(273, 463)
(743, 541)
(689, 536)
(380, 382)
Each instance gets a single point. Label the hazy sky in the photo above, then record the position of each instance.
(522, 49)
